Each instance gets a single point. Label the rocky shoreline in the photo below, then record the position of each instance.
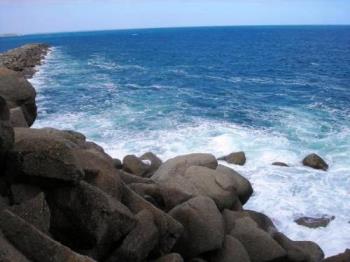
(62, 198)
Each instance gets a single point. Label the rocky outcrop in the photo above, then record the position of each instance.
(315, 161)
(236, 158)
(62, 198)
(343, 257)
(24, 59)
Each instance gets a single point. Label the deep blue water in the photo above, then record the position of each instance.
(277, 93)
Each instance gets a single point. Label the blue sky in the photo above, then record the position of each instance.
(36, 16)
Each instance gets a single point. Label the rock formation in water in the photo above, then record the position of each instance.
(62, 198)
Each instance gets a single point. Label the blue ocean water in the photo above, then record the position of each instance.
(277, 93)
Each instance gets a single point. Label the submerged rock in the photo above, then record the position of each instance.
(315, 161)
(237, 158)
(313, 222)
(280, 164)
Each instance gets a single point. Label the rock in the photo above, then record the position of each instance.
(294, 252)
(85, 217)
(43, 158)
(280, 164)
(35, 211)
(242, 185)
(130, 178)
(312, 249)
(24, 59)
(22, 192)
(169, 229)
(17, 118)
(139, 242)
(8, 252)
(232, 250)
(173, 257)
(117, 163)
(134, 165)
(18, 92)
(149, 192)
(204, 226)
(6, 131)
(343, 257)
(237, 158)
(314, 222)
(259, 244)
(202, 181)
(155, 162)
(99, 171)
(4, 203)
(315, 162)
(34, 244)
(179, 164)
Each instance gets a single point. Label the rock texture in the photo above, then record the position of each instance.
(237, 158)
(315, 161)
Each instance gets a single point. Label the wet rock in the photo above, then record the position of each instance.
(343, 257)
(169, 229)
(232, 250)
(237, 158)
(85, 217)
(154, 161)
(315, 162)
(17, 118)
(258, 243)
(136, 166)
(139, 242)
(173, 257)
(34, 244)
(204, 226)
(312, 222)
(35, 211)
(18, 92)
(280, 164)
(179, 164)
(42, 158)
(242, 185)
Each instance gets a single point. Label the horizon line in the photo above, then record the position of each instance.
(3, 35)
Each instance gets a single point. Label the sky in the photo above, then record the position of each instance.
(41, 16)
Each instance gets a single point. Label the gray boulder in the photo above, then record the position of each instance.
(237, 158)
(18, 92)
(178, 165)
(315, 161)
(204, 226)
(34, 244)
(312, 249)
(154, 161)
(132, 164)
(8, 252)
(17, 118)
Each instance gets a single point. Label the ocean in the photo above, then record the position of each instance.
(277, 93)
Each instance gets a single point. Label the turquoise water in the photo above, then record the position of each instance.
(277, 93)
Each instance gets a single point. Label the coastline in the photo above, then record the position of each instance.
(135, 184)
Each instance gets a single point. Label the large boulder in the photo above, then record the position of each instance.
(85, 217)
(315, 161)
(169, 229)
(20, 193)
(18, 92)
(139, 242)
(204, 226)
(34, 244)
(17, 118)
(8, 252)
(259, 244)
(132, 164)
(243, 187)
(42, 157)
(35, 211)
(343, 257)
(154, 161)
(6, 130)
(312, 249)
(178, 165)
(232, 250)
(237, 158)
